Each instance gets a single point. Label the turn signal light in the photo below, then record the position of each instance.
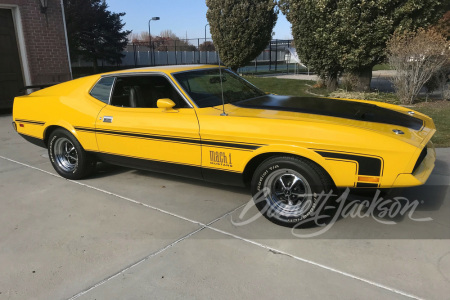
(368, 179)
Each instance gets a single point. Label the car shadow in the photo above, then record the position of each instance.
(192, 181)
(372, 222)
(105, 170)
(429, 197)
(397, 204)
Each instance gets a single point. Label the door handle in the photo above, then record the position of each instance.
(107, 119)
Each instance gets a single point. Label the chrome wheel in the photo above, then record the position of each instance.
(289, 193)
(287, 189)
(66, 155)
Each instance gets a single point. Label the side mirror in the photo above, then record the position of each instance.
(165, 103)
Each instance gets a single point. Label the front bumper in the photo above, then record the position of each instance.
(421, 172)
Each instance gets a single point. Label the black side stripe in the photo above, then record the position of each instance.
(172, 139)
(253, 144)
(366, 185)
(140, 135)
(213, 175)
(30, 122)
(144, 159)
(191, 171)
(230, 145)
(370, 166)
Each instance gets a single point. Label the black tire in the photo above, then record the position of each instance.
(287, 191)
(67, 156)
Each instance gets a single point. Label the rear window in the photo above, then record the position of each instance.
(102, 90)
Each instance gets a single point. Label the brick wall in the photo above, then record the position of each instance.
(45, 41)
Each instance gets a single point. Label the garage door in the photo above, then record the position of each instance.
(11, 80)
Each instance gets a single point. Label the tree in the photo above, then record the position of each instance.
(94, 32)
(166, 41)
(351, 35)
(241, 29)
(162, 43)
(313, 29)
(440, 81)
(416, 56)
(207, 46)
(443, 25)
(139, 37)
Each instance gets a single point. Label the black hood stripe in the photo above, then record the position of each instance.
(353, 110)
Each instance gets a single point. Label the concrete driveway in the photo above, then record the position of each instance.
(127, 234)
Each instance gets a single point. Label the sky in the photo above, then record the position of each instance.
(180, 16)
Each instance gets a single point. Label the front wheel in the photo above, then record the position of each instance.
(67, 156)
(289, 191)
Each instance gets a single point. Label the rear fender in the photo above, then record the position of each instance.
(62, 124)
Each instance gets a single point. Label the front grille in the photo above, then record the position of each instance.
(422, 156)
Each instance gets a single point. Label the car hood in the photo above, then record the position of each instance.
(359, 111)
(366, 115)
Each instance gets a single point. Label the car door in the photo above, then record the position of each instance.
(132, 131)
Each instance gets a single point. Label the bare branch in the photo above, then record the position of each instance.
(416, 56)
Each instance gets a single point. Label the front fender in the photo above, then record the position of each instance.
(343, 173)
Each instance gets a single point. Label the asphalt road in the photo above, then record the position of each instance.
(127, 234)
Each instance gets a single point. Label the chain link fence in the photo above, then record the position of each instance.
(276, 58)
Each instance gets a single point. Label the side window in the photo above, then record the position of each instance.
(102, 90)
(144, 92)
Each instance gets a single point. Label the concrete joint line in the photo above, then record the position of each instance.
(152, 255)
(277, 251)
(203, 226)
(104, 191)
(134, 264)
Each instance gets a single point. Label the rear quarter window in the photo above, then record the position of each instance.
(102, 89)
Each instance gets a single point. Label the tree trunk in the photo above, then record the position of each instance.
(364, 78)
(331, 83)
(95, 65)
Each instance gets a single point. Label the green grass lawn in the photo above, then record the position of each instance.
(278, 86)
(438, 110)
(382, 67)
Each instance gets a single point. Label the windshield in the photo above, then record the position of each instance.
(204, 88)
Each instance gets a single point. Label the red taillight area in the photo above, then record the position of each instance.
(21, 125)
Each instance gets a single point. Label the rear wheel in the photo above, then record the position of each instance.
(289, 191)
(68, 157)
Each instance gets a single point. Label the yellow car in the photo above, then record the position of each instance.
(205, 122)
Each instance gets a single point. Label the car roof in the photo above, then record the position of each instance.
(162, 69)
